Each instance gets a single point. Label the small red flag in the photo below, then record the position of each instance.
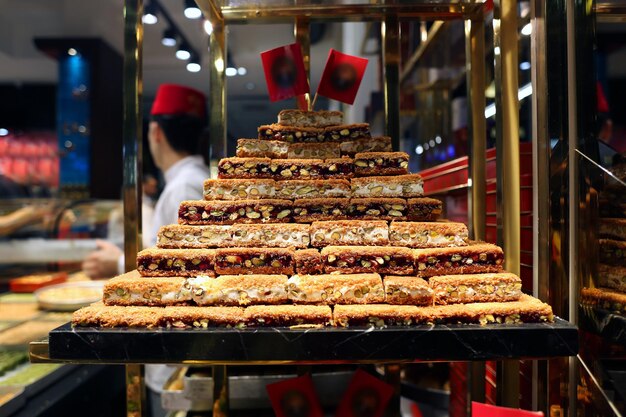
(284, 72)
(294, 397)
(342, 76)
(366, 396)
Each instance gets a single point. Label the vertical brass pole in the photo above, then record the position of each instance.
(507, 149)
(477, 180)
(217, 99)
(302, 33)
(132, 130)
(135, 391)
(220, 391)
(390, 32)
(541, 185)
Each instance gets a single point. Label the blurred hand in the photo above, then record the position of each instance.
(102, 263)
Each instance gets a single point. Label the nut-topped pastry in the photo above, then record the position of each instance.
(271, 235)
(373, 144)
(428, 234)
(381, 163)
(349, 232)
(175, 262)
(410, 185)
(612, 252)
(257, 148)
(474, 259)
(131, 290)
(474, 288)
(288, 315)
(245, 168)
(378, 209)
(365, 259)
(236, 261)
(336, 289)
(374, 315)
(293, 134)
(312, 209)
(308, 261)
(303, 118)
(327, 150)
(234, 290)
(297, 189)
(407, 290)
(239, 189)
(198, 212)
(424, 209)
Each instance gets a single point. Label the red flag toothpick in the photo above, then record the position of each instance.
(342, 76)
(284, 72)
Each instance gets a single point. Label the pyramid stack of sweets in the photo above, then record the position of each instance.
(314, 223)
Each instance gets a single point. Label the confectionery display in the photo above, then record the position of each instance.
(312, 224)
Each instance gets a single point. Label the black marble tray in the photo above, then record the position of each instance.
(318, 346)
(603, 322)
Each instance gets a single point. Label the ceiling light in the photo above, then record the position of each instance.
(72, 52)
(419, 150)
(169, 37)
(191, 10)
(426, 147)
(183, 52)
(524, 66)
(194, 66)
(496, 50)
(438, 139)
(4, 132)
(431, 143)
(242, 71)
(231, 71)
(208, 27)
(527, 29)
(150, 14)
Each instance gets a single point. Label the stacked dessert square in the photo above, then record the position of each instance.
(314, 223)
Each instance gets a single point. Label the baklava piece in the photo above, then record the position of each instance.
(374, 315)
(612, 252)
(378, 209)
(131, 290)
(604, 298)
(349, 232)
(238, 189)
(258, 148)
(288, 315)
(297, 189)
(613, 229)
(374, 144)
(381, 163)
(336, 289)
(406, 186)
(235, 290)
(235, 261)
(526, 310)
(367, 259)
(428, 234)
(407, 290)
(180, 236)
(203, 317)
(474, 259)
(293, 169)
(337, 168)
(291, 134)
(612, 277)
(176, 262)
(279, 235)
(313, 150)
(476, 288)
(244, 168)
(198, 212)
(424, 209)
(303, 118)
(342, 133)
(309, 261)
(313, 209)
(100, 315)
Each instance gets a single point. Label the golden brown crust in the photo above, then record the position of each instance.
(203, 317)
(308, 261)
(99, 315)
(298, 189)
(235, 261)
(155, 262)
(378, 209)
(384, 155)
(373, 144)
(239, 189)
(259, 148)
(474, 259)
(424, 209)
(379, 315)
(368, 259)
(288, 315)
(314, 150)
(387, 179)
(407, 290)
(612, 276)
(301, 118)
(474, 288)
(313, 209)
(604, 298)
(132, 290)
(428, 234)
(332, 289)
(349, 232)
(202, 212)
(381, 163)
(234, 290)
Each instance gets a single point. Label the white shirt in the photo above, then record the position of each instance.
(183, 181)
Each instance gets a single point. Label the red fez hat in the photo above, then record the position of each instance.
(178, 99)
